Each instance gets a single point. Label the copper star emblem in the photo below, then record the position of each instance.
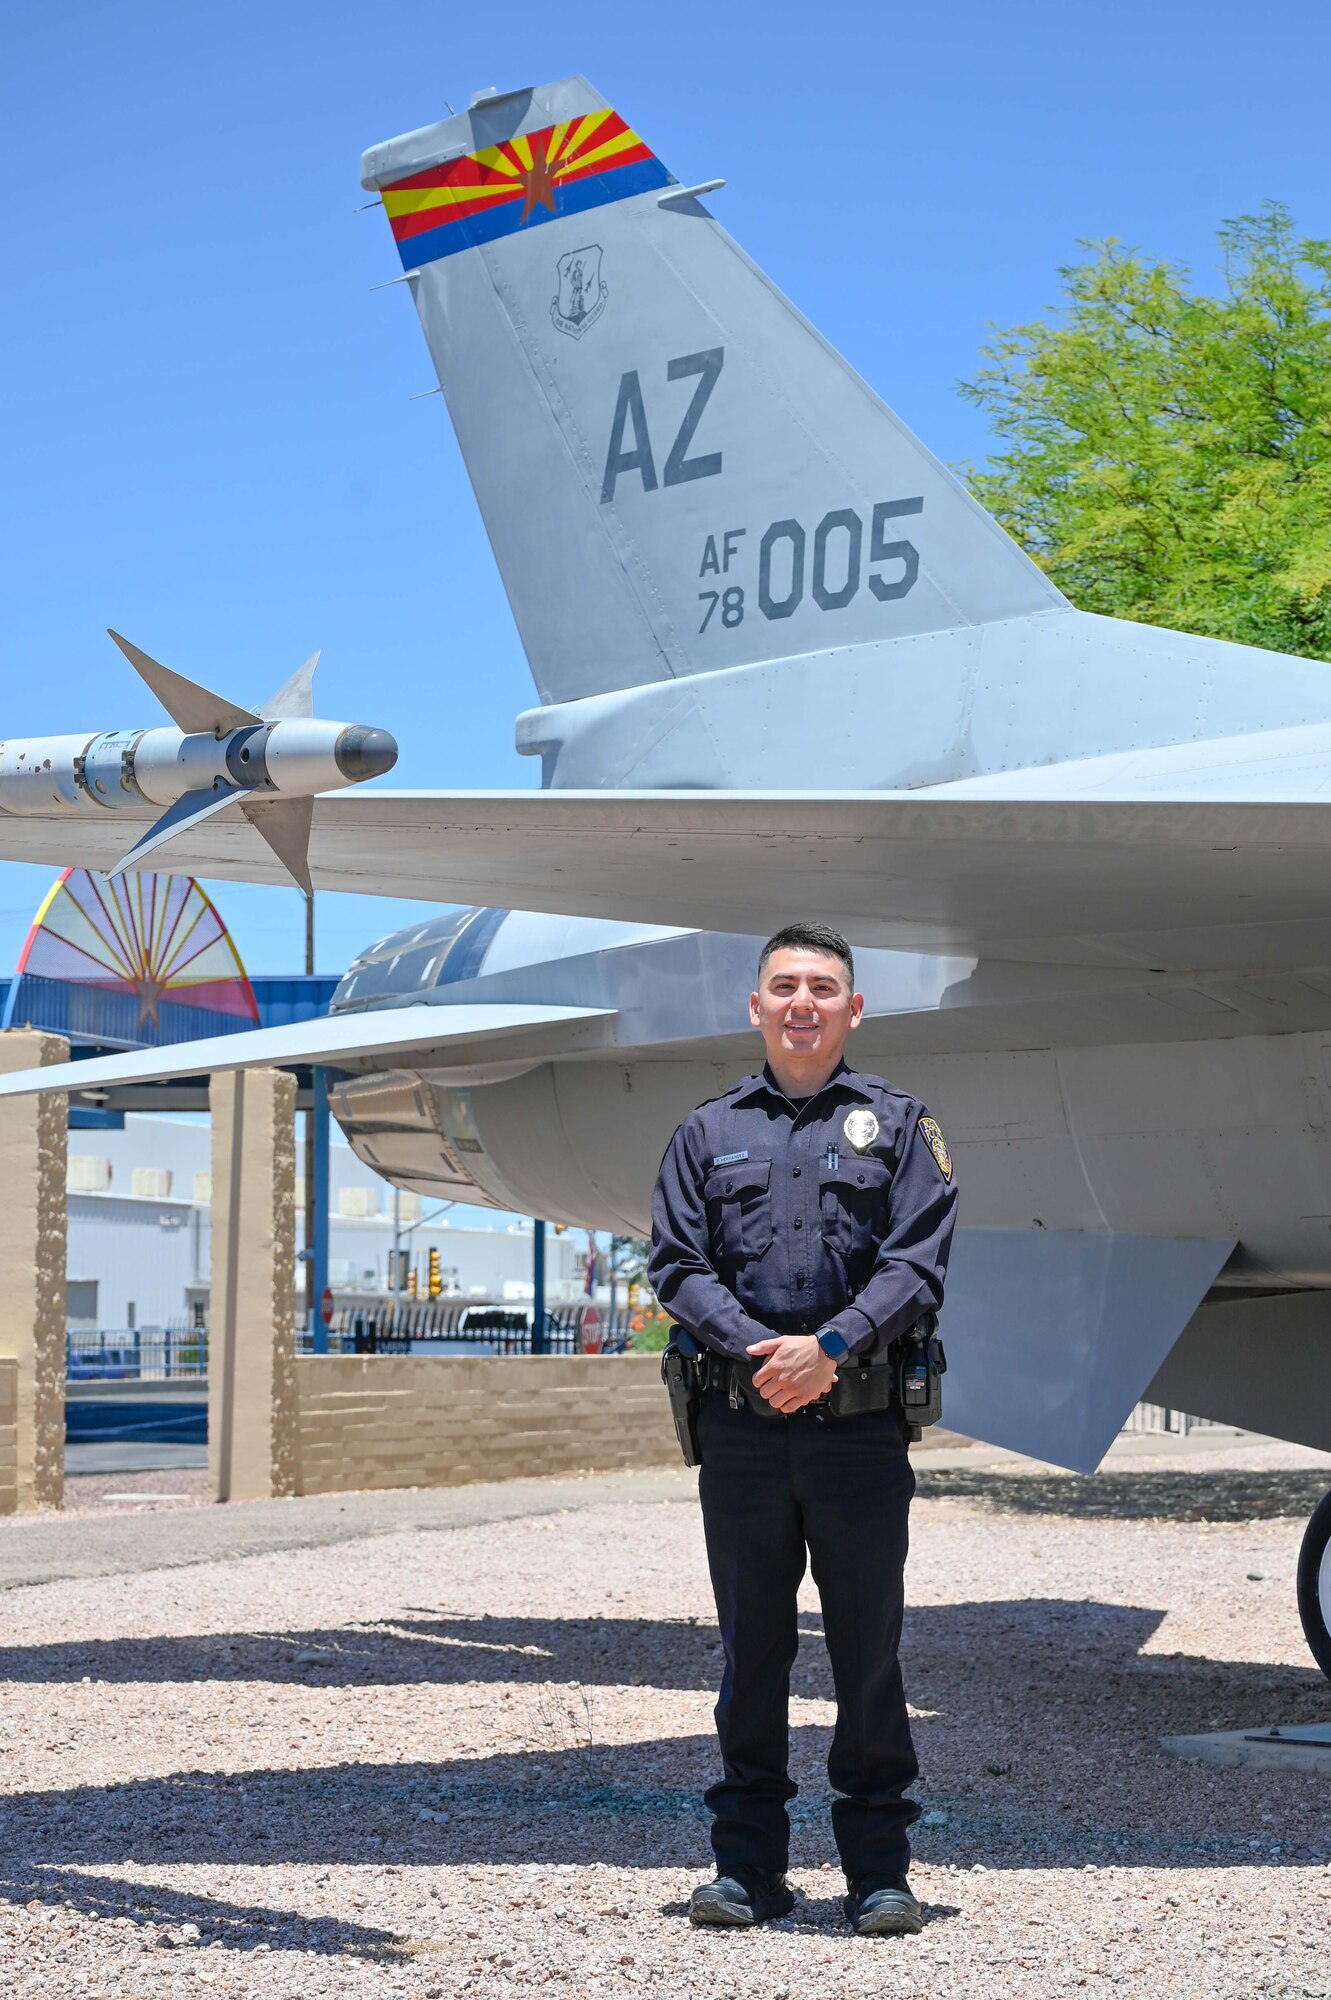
(538, 188)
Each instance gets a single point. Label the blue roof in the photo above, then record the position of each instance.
(95, 1018)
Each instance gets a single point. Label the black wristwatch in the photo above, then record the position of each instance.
(832, 1343)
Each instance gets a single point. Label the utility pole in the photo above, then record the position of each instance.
(538, 1288)
(397, 1255)
(316, 1177)
(309, 1129)
(311, 1302)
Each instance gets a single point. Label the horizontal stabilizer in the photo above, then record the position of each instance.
(196, 710)
(1052, 1336)
(446, 1035)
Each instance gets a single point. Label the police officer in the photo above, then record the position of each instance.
(804, 1214)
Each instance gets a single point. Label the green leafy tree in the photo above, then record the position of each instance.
(1164, 454)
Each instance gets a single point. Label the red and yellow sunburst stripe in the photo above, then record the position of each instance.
(561, 169)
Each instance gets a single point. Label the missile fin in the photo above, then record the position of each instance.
(285, 825)
(189, 810)
(295, 697)
(192, 708)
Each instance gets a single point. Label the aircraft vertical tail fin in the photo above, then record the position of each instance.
(676, 472)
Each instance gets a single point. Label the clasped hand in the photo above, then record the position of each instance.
(796, 1371)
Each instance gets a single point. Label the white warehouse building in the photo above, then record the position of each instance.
(140, 1236)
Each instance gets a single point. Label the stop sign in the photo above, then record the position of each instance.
(326, 1306)
(591, 1330)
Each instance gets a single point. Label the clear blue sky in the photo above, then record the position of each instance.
(209, 442)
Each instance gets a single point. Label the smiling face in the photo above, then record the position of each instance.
(804, 1009)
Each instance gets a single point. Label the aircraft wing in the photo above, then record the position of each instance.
(458, 1035)
(1214, 854)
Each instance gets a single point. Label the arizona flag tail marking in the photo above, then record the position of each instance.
(536, 177)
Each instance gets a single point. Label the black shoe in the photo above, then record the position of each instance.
(884, 1908)
(732, 1904)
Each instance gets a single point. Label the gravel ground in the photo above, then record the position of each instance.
(113, 1492)
(442, 1763)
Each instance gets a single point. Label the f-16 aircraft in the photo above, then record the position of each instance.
(787, 667)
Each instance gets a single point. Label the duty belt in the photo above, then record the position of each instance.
(905, 1375)
(864, 1382)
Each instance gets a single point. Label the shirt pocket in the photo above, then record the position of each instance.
(739, 1205)
(853, 1198)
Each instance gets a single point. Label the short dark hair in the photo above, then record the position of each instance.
(809, 937)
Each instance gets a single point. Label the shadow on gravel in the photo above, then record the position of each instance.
(1010, 1787)
(1073, 1649)
(1130, 1496)
(422, 1648)
(238, 1926)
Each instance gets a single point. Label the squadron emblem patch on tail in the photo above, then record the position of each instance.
(582, 293)
(932, 1134)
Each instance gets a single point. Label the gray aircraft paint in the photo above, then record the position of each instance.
(607, 571)
(1097, 850)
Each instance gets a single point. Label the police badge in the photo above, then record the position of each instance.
(860, 1128)
(932, 1134)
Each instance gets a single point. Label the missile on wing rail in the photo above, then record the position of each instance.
(270, 761)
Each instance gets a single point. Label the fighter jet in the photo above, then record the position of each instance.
(788, 667)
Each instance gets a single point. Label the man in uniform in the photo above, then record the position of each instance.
(803, 1215)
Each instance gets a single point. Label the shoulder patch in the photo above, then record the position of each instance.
(932, 1134)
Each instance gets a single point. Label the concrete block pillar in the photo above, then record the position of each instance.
(252, 1437)
(33, 1151)
(8, 1436)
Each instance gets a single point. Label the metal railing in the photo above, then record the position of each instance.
(136, 1354)
(477, 1329)
(180, 1353)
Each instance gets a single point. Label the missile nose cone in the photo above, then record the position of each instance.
(364, 753)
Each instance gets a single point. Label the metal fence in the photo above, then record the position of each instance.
(136, 1354)
(477, 1329)
(180, 1353)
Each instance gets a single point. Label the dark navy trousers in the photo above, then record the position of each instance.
(840, 1488)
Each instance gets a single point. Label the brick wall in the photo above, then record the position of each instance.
(8, 1437)
(373, 1421)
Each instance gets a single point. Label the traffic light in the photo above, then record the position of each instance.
(411, 1284)
(435, 1280)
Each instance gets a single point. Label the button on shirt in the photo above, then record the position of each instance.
(767, 1219)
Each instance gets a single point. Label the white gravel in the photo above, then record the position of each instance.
(435, 1764)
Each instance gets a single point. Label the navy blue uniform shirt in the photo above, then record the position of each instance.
(772, 1217)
